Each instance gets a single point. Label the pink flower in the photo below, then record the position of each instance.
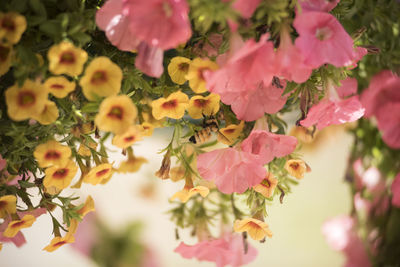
(246, 7)
(228, 250)
(335, 110)
(231, 170)
(150, 60)
(396, 191)
(161, 23)
(322, 40)
(318, 5)
(86, 235)
(265, 146)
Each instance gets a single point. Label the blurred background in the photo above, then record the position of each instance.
(127, 198)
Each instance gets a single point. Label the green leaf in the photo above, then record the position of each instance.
(38, 7)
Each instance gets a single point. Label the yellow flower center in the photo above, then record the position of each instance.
(61, 173)
(323, 33)
(8, 24)
(170, 104)
(99, 77)
(116, 112)
(102, 172)
(184, 67)
(26, 99)
(201, 103)
(4, 52)
(52, 154)
(57, 86)
(67, 57)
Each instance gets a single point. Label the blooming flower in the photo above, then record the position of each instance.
(5, 58)
(12, 26)
(59, 86)
(173, 106)
(65, 58)
(60, 176)
(48, 115)
(200, 106)
(8, 205)
(322, 40)
(23, 102)
(102, 78)
(267, 186)
(396, 191)
(87, 207)
(257, 229)
(186, 193)
(196, 71)
(98, 174)
(51, 153)
(178, 69)
(230, 134)
(128, 138)
(116, 114)
(15, 226)
(59, 241)
(296, 168)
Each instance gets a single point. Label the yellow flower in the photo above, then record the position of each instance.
(255, 228)
(128, 138)
(177, 173)
(26, 101)
(148, 117)
(296, 168)
(196, 76)
(51, 153)
(5, 58)
(14, 226)
(116, 114)
(12, 26)
(200, 106)
(60, 176)
(178, 68)
(65, 58)
(267, 186)
(146, 129)
(228, 135)
(173, 106)
(102, 78)
(87, 207)
(59, 86)
(99, 173)
(8, 205)
(132, 165)
(59, 241)
(48, 115)
(84, 150)
(185, 194)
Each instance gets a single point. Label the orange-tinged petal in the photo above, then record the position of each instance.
(51, 153)
(230, 134)
(267, 186)
(128, 138)
(59, 86)
(60, 176)
(196, 74)
(12, 26)
(59, 241)
(99, 173)
(15, 226)
(256, 229)
(173, 106)
(296, 168)
(200, 106)
(87, 207)
(65, 58)
(8, 205)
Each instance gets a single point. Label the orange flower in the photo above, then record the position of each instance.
(59, 86)
(230, 134)
(200, 106)
(12, 26)
(60, 176)
(59, 241)
(173, 106)
(102, 78)
(196, 74)
(65, 58)
(131, 136)
(255, 228)
(51, 153)
(98, 174)
(116, 114)
(26, 101)
(14, 226)
(5, 58)
(48, 115)
(8, 205)
(296, 168)
(186, 193)
(267, 186)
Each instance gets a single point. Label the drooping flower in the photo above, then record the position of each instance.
(12, 26)
(65, 58)
(318, 5)
(161, 23)
(200, 106)
(396, 191)
(197, 69)
(267, 186)
(227, 250)
(322, 40)
(23, 102)
(296, 168)
(51, 153)
(334, 109)
(256, 229)
(5, 58)
(128, 138)
(186, 193)
(59, 241)
(87, 207)
(48, 115)
(246, 7)
(59, 86)
(98, 174)
(173, 106)
(15, 226)
(133, 164)
(8, 205)
(178, 69)
(265, 146)
(116, 114)
(60, 176)
(150, 60)
(228, 135)
(102, 78)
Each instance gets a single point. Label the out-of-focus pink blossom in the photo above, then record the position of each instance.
(322, 40)
(318, 5)
(231, 170)
(396, 191)
(86, 235)
(150, 60)
(228, 250)
(246, 7)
